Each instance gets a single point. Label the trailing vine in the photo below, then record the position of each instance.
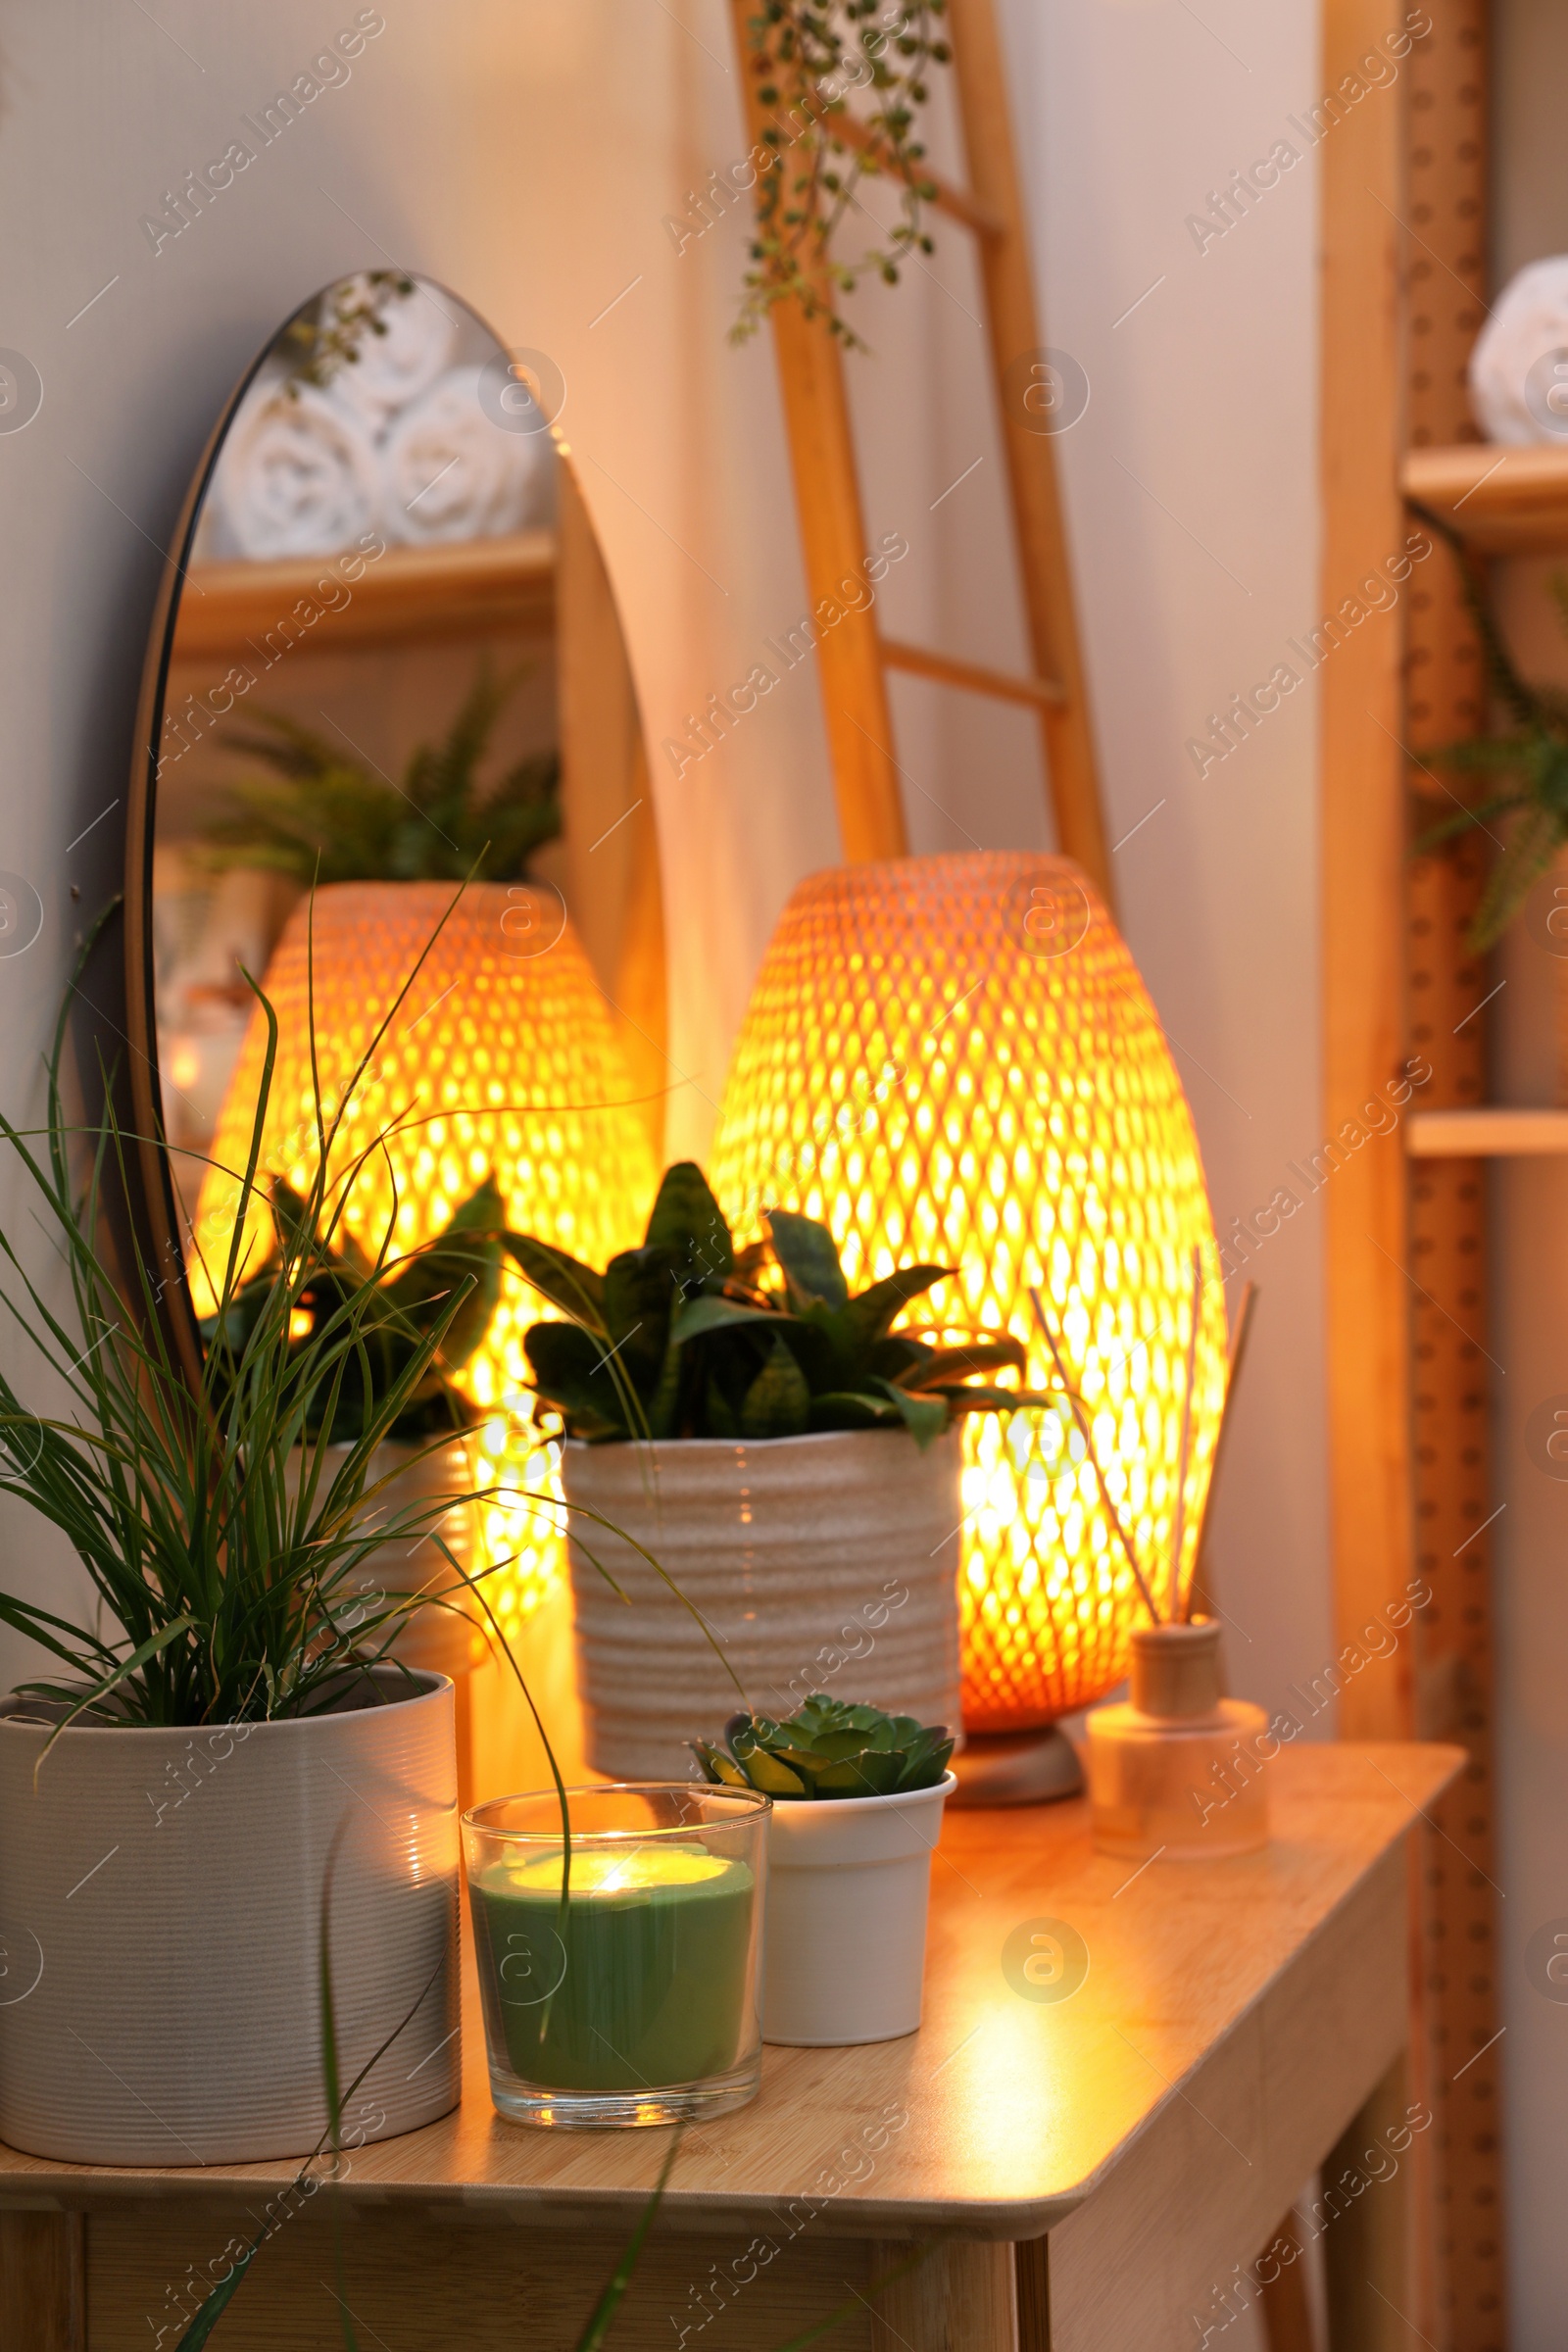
(815, 151)
(321, 339)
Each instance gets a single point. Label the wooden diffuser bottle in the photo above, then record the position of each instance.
(1178, 1770)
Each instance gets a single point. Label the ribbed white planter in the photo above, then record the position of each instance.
(852, 1876)
(160, 1905)
(819, 1563)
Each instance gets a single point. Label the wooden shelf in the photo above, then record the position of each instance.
(1486, 1134)
(455, 590)
(1503, 501)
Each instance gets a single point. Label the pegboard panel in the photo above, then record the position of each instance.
(1455, 1953)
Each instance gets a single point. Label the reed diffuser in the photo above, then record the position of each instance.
(1176, 1770)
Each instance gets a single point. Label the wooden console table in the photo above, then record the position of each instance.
(1093, 2168)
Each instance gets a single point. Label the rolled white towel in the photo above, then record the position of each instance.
(450, 474)
(1518, 387)
(297, 477)
(394, 367)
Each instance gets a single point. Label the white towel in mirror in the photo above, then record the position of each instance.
(393, 369)
(298, 477)
(450, 474)
(1519, 366)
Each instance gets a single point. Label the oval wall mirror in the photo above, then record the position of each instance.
(386, 659)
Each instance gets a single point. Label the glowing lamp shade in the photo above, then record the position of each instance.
(954, 1060)
(501, 1060)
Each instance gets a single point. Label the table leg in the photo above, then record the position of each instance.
(963, 2297)
(43, 2300)
(1364, 2248)
(1287, 2313)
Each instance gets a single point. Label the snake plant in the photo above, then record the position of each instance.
(405, 1300)
(687, 1336)
(828, 1749)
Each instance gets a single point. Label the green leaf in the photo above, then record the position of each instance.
(778, 1402)
(874, 1311)
(620, 2277)
(688, 1221)
(698, 1316)
(575, 1288)
(570, 1373)
(462, 1262)
(844, 1408)
(809, 1258)
(771, 1778)
(640, 1296)
(924, 1417)
(950, 1364)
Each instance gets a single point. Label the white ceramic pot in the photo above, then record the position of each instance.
(432, 1641)
(161, 1907)
(818, 1563)
(848, 1885)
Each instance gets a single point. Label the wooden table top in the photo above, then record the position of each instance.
(998, 2116)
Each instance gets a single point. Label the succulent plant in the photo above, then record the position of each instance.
(688, 1337)
(829, 1750)
(323, 816)
(412, 1300)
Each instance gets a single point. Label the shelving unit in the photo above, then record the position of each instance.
(473, 586)
(1486, 1132)
(1404, 279)
(1503, 501)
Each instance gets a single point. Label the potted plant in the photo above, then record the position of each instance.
(225, 1731)
(784, 1462)
(857, 1798)
(427, 1454)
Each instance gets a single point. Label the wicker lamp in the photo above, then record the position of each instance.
(502, 1059)
(954, 1060)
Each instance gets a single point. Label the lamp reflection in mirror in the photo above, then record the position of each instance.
(501, 1059)
(954, 1060)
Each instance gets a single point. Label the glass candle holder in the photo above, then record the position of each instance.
(619, 1970)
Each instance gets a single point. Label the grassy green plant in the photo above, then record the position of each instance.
(688, 1337)
(322, 817)
(828, 1749)
(226, 1545)
(1525, 762)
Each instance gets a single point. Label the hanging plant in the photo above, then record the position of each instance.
(327, 336)
(806, 61)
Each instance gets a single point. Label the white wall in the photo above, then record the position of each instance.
(526, 152)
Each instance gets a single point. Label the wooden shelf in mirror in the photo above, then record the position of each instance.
(1504, 501)
(452, 590)
(1489, 1132)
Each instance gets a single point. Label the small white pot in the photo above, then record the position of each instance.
(848, 1885)
(161, 1905)
(818, 1563)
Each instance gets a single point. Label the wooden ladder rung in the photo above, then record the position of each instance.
(973, 675)
(958, 203)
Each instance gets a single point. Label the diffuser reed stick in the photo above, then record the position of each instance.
(1233, 1370)
(1111, 1511)
(1184, 1455)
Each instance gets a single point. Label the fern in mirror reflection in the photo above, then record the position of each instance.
(322, 817)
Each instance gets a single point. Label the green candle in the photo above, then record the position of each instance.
(643, 1982)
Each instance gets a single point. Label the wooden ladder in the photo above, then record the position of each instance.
(854, 655)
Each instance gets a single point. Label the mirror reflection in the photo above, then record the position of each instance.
(394, 668)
